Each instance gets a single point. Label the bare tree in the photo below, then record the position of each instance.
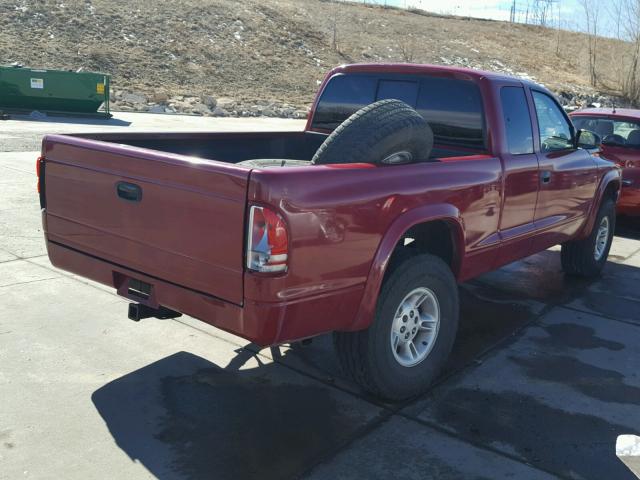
(616, 10)
(558, 30)
(540, 12)
(333, 26)
(591, 11)
(630, 28)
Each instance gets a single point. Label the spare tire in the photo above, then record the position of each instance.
(388, 132)
(273, 162)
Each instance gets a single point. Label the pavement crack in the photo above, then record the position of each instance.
(481, 446)
(28, 281)
(377, 422)
(599, 314)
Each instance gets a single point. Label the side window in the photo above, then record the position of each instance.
(554, 130)
(517, 120)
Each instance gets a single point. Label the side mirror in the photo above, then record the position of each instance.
(588, 140)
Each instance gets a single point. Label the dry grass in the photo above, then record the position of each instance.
(273, 49)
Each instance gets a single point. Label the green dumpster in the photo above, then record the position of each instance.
(54, 91)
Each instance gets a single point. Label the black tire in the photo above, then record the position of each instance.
(387, 132)
(578, 257)
(367, 356)
(273, 162)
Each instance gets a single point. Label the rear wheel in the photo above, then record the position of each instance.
(587, 257)
(414, 328)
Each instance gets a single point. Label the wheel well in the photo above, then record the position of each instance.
(612, 191)
(435, 237)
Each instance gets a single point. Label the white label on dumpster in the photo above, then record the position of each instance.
(37, 83)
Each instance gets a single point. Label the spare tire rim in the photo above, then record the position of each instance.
(602, 237)
(415, 327)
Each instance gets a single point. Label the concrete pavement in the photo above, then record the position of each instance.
(22, 134)
(542, 380)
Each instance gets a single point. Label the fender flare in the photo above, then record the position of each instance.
(427, 213)
(609, 178)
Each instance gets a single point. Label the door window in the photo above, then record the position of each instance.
(517, 120)
(554, 128)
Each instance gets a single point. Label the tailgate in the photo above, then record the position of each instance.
(176, 218)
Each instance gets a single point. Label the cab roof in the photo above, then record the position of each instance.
(416, 68)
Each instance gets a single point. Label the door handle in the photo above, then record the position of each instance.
(545, 176)
(129, 191)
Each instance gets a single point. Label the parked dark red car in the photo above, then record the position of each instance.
(620, 132)
(368, 240)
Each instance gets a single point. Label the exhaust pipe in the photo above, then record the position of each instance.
(137, 312)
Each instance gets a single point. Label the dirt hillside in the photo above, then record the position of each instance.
(271, 54)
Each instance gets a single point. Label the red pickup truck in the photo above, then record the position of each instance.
(406, 180)
(620, 132)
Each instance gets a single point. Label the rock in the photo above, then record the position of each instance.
(134, 98)
(180, 106)
(36, 115)
(159, 97)
(156, 109)
(209, 101)
(225, 103)
(201, 109)
(300, 114)
(220, 112)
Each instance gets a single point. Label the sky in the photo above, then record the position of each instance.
(571, 11)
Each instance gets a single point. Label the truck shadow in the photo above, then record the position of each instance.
(79, 120)
(186, 417)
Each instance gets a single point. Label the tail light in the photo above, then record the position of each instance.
(267, 245)
(40, 174)
(39, 170)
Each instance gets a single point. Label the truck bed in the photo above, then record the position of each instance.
(234, 147)
(176, 235)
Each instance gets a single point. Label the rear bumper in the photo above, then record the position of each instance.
(259, 322)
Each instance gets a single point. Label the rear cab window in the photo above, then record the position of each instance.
(453, 108)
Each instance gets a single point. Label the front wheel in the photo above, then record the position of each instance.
(587, 257)
(411, 336)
